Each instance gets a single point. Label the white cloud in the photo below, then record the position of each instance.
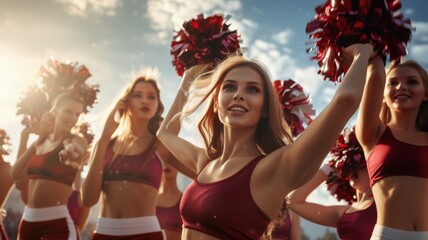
(84, 7)
(421, 33)
(408, 12)
(420, 53)
(283, 37)
(168, 15)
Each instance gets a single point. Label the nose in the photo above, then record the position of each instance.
(401, 85)
(238, 96)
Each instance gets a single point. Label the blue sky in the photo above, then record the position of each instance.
(115, 39)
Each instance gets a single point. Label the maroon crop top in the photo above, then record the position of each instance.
(391, 157)
(47, 166)
(133, 168)
(224, 209)
(357, 225)
(170, 218)
(284, 230)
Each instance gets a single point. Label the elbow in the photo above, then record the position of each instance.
(348, 101)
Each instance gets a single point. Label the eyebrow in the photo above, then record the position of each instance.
(407, 77)
(139, 91)
(248, 83)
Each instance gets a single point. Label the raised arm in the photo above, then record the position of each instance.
(92, 186)
(170, 159)
(295, 226)
(24, 153)
(183, 150)
(324, 215)
(299, 161)
(369, 126)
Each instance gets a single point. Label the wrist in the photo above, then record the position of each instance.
(326, 169)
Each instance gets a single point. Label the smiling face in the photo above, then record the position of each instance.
(240, 99)
(67, 114)
(404, 90)
(143, 101)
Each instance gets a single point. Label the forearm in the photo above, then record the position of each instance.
(20, 166)
(368, 116)
(171, 125)
(23, 143)
(91, 187)
(350, 90)
(300, 194)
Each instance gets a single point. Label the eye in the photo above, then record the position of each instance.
(253, 89)
(151, 97)
(412, 81)
(392, 83)
(228, 87)
(136, 95)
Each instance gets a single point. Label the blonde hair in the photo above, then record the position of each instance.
(422, 118)
(148, 75)
(271, 133)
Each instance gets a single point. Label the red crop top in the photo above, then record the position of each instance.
(391, 157)
(170, 218)
(132, 168)
(47, 166)
(224, 209)
(357, 225)
(284, 230)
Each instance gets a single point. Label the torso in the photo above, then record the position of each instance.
(124, 198)
(41, 189)
(401, 199)
(206, 187)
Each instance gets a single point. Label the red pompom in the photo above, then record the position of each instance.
(84, 129)
(347, 157)
(338, 24)
(32, 105)
(56, 78)
(203, 40)
(296, 105)
(4, 142)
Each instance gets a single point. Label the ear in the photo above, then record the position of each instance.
(215, 107)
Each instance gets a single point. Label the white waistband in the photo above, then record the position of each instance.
(386, 233)
(127, 226)
(45, 214)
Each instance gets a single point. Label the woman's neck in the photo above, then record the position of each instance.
(403, 120)
(364, 195)
(239, 143)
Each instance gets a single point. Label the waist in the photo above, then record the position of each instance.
(127, 226)
(381, 232)
(46, 193)
(45, 214)
(401, 203)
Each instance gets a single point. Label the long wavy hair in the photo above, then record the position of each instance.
(422, 118)
(272, 132)
(123, 132)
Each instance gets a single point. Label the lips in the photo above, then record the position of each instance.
(237, 108)
(145, 109)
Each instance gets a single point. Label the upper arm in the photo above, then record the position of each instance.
(301, 160)
(295, 226)
(369, 125)
(184, 151)
(188, 170)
